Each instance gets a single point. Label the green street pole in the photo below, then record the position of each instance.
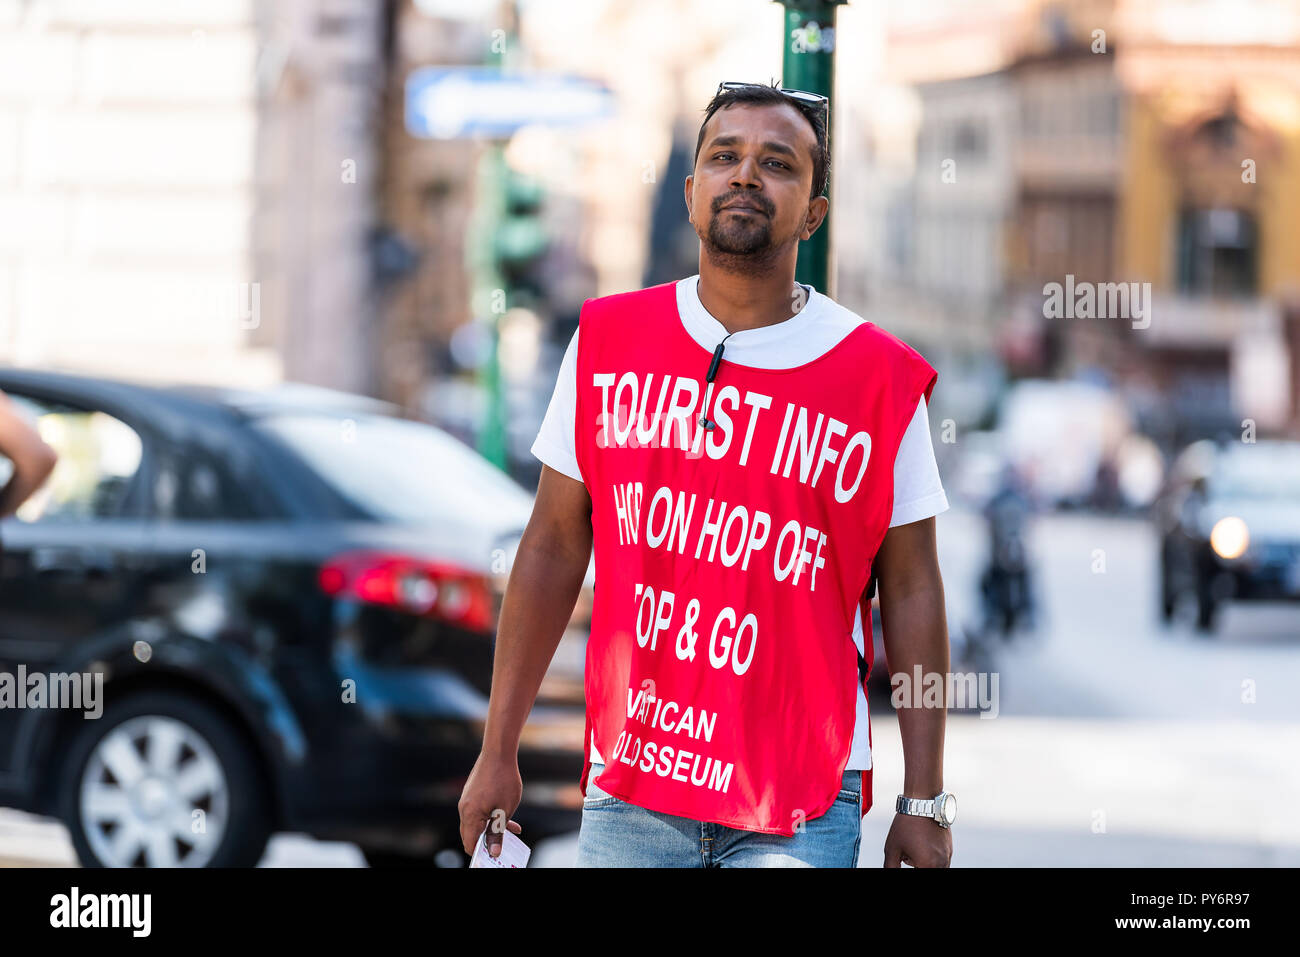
(808, 63)
(489, 299)
(489, 287)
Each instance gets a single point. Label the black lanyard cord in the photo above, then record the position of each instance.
(713, 370)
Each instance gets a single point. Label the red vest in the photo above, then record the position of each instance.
(721, 672)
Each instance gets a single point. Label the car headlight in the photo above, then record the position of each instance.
(1229, 537)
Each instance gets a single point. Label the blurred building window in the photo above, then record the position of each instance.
(898, 222)
(1069, 234)
(1029, 117)
(1217, 252)
(1111, 106)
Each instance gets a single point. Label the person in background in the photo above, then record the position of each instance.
(1006, 584)
(32, 458)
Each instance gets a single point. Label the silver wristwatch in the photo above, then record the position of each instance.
(942, 808)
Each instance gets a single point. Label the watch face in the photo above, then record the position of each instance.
(949, 810)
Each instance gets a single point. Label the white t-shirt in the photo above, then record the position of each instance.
(813, 331)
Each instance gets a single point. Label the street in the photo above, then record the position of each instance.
(1116, 742)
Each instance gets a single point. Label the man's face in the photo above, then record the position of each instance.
(749, 194)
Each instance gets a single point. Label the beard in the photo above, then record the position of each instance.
(739, 234)
(742, 243)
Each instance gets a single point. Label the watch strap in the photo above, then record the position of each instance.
(919, 807)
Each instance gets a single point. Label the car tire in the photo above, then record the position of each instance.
(185, 756)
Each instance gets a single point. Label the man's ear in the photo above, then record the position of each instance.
(817, 211)
(689, 193)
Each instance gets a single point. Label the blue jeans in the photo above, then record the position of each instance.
(615, 833)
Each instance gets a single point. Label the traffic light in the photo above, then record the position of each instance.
(521, 235)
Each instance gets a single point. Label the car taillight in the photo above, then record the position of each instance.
(418, 587)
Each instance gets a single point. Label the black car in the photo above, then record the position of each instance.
(288, 599)
(1229, 525)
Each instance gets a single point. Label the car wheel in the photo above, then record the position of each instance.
(163, 780)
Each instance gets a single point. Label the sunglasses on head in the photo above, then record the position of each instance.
(812, 99)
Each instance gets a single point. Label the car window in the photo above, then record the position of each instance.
(98, 457)
(192, 485)
(399, 470)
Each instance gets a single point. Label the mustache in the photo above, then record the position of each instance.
(761, 203)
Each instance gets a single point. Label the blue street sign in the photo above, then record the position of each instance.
(456, 102)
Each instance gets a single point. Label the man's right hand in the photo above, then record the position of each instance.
(545, 579)
(491, 795)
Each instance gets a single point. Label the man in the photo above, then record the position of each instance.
(743, 454)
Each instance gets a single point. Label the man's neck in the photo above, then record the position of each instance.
(741, 301)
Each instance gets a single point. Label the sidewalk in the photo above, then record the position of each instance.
(30, 841)
(1069, 792)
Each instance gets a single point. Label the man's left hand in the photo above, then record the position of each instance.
(918, 842)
